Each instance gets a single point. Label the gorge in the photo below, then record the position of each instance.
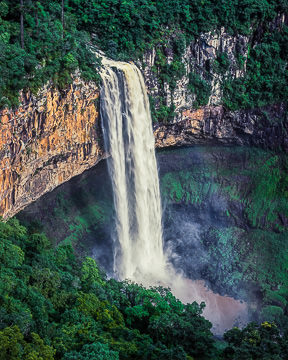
(143, 178)
(52, 157)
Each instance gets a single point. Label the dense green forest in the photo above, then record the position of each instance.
(49, 40)
(57, 306)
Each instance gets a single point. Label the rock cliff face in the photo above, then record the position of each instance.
(214, 125)
(199, 57)
(50, 138)
(54, 136)
(266, 127)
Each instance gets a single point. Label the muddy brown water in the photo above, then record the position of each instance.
(224, 312)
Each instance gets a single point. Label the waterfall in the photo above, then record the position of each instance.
(133, 169)
(129, 139)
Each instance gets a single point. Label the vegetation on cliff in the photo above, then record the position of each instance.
(44, 40)
(54, 306)
(49, 49)
(244, 250)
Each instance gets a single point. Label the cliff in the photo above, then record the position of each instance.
(266, 127)
(56, 135)
(49, 139)
(214, 125)
(198, 57)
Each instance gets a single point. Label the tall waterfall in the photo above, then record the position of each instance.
(133, 169)
(132, 165)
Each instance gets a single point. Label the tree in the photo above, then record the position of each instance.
(62, 18)
(13, 346)
(93, 351)
(22, 23)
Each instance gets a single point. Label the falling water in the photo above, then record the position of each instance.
(129, 140)
(133, 170)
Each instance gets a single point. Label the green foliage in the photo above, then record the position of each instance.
(13, 346)
(264, 195)
(54, 307)
(265, 80)
(126, 29)
(50, 52)
(163, 114)
(188, 187)
(90, 273)
(127, 26)
(222, 64)
(93, 351)
(200, 88)
(263, 341)
(268, 197)
(170, 73)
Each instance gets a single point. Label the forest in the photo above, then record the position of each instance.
(49, 40)
(54, 306)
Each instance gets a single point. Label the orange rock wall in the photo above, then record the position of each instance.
(50, 138)
(54, 136)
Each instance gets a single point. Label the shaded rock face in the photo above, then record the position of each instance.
(205, 222)
(212, 124)
(50, 138)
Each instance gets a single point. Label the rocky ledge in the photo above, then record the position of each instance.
(266, 127)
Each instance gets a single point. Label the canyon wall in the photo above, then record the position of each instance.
(214, 125)
(265, 127)
(49, 139)
(199, 57)
(56, 135)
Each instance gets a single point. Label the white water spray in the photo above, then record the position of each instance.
(129, 140)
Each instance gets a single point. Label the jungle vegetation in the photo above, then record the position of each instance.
(54, 305)
(49, 40)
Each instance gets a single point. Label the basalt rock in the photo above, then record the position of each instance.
(198, 57)
(55, 136)
(49, 139)
(266, 128)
